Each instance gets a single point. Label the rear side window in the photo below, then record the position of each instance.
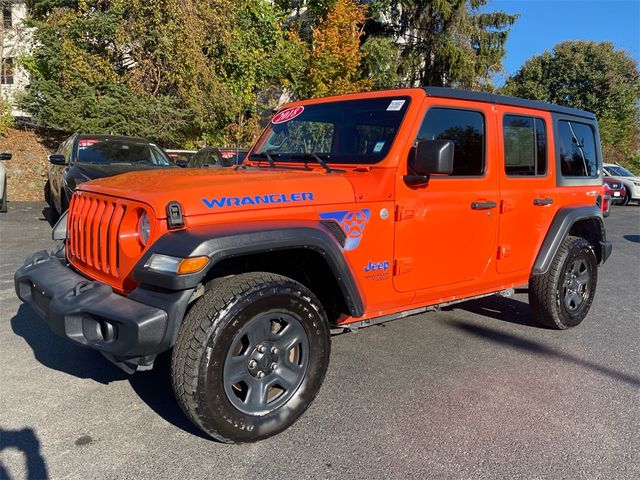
(525, 145)
(466, 129)
(577, 149)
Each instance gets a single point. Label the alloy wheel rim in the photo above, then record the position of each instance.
(576, 285)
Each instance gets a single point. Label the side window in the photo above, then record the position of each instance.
(577, 149)
(466, 129)
(66, 149)
(525, 145)
(199, 159)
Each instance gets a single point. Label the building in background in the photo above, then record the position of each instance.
(15, 42)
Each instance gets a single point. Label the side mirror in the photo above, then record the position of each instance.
(182, 163)
(431, 157)
(5, 156)
(57, 159)
(434, 157)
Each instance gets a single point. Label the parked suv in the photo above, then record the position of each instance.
(348, 211)
(85, 157)
(630, 181)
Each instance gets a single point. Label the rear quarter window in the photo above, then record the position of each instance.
(577, 148)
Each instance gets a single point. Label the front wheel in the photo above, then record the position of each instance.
(250, 357)
(562, 297)
(626, 199)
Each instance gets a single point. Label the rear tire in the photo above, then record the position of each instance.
(250, 357)
(562, 297)
(3, 202)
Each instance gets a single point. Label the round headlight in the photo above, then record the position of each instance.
(144, 228)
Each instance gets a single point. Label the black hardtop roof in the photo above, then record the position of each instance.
(120, 138)
(504, 100)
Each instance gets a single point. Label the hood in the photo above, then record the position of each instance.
(202, 191)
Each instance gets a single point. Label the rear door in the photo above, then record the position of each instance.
(527, 203)
(446, 231)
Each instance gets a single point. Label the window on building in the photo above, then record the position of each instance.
(577, 149)
(7, 72)
(525, 145)
(7, 19)
(466, 129)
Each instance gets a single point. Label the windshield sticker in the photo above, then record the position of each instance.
(379, 146)
(222, 202)
(87, 142)
(395, 105)
(286, 115)
(353, 224)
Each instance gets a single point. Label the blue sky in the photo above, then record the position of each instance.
(545, 23)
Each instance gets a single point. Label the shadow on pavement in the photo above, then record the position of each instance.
(59, 354)
(530, 346)
(153, 387)
(632, 238)
(501, 308)
(25, 441)
(50, 215)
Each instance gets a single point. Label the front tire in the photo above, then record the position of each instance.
(250, 357)
(562, 297)
(627, 198)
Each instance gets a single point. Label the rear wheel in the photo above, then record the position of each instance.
(3, 202)
(250, 357)
(562, 297)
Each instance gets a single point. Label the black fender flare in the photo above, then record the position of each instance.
(560, 227)
(219, 242)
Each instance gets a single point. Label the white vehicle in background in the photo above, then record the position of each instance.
(630, 181)
(3, 182)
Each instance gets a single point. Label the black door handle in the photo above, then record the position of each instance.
(542, 201)
(483, 205)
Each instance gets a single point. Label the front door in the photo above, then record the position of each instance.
(446, 231)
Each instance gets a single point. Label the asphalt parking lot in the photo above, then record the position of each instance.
(476, 391)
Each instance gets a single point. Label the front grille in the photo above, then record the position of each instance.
(93, 228)
(614, 186)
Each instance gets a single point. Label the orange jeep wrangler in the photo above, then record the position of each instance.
(349, 211)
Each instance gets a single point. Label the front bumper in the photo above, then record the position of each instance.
(129, 331)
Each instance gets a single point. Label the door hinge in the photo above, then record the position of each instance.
(402, 213)
(506, 205)
(504, 251)
(402, 265)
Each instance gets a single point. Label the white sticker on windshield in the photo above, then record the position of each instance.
(379, 146)
(395, 105)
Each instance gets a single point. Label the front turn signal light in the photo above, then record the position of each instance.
(180, 266)
(192, 265)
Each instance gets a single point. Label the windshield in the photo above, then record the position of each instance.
(110, 151)
(620, 171)
(354, 131)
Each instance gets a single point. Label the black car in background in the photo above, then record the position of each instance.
(217, 157)
(86, 157)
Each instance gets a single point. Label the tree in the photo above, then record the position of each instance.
(592, 76)
(448, 42)
(195, 70)
(335, 56)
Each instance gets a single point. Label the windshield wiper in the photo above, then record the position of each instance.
(265, 155)
(313, 156)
